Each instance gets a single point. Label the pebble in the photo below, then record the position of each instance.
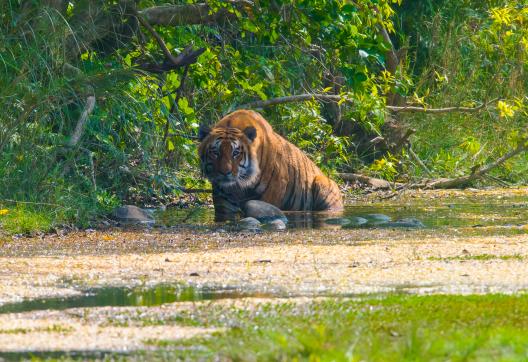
(276, 225)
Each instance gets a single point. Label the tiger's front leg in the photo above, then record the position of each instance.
(226, 208)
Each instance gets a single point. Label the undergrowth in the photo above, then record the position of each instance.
(139, 143)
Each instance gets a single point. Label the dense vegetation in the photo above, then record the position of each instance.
(138, 143)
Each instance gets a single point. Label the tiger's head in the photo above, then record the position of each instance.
(227, 156)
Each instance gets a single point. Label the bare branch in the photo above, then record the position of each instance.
(413, 109)
(446, 183)
(186, 57)
(336, 98)
(291, 99)
(419, 161)
(79, 128)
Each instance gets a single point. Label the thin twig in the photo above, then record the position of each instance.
(29, 202)
(419, 161)
(79, 129)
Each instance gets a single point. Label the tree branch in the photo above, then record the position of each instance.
(291, 99)
(413, 109)
(392, 57)
(187, 56)
(189, 14)
(336, 98)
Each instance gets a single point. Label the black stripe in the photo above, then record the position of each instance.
(291, 186)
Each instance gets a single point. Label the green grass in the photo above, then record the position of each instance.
(394, 328)
(25, 220)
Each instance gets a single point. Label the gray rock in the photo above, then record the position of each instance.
(356, 221)
(249, 223)
(409, 222)
(276, 225)
(130, 214)
(338, 221)
(263, 211)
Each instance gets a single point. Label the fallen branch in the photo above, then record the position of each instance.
(79, 128)
(448, 183)
(440, 183)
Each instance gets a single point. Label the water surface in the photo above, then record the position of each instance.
(126, 296)
(438, 214)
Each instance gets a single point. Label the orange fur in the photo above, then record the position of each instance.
(246, 160)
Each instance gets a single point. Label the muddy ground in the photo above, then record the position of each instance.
(294, 264)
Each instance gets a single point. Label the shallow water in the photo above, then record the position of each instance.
(124, 296)
(435, 214)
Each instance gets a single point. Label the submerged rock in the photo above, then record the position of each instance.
(130, 214)
(408, 222)
(249, 223)
(263, 211)
(356, 221)
(376, 219)
(338, 221)
(275, 225)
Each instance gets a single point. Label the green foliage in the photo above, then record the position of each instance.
(465, 53)
(139, 144)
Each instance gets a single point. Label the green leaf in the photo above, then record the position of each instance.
(183, 105)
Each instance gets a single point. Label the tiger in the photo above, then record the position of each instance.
(244, 159)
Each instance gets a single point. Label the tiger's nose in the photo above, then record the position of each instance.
(227, 173)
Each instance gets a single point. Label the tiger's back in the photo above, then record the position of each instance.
(279, 172)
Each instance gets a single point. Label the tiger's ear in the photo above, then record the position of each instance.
(203, 132)
(251, 133)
